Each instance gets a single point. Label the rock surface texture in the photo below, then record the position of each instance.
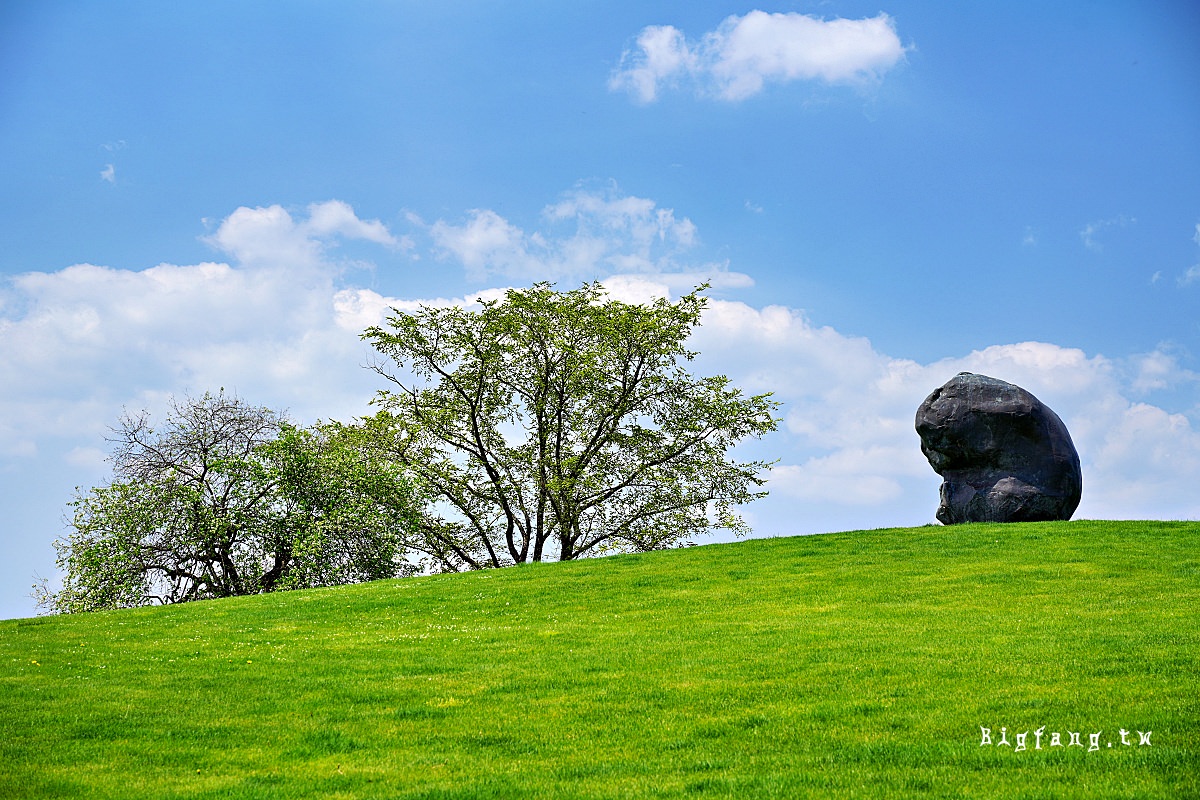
(1002, 454)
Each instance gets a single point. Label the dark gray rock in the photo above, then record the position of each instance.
(1002, 454)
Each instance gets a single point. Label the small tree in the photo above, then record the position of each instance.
(562, 425)
(229, 499)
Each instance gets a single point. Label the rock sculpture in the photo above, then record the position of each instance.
(1002, 454)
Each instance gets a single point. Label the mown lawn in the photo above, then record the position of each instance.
(859, 664)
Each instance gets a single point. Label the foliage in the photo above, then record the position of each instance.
(229, 499)
(845, 665)
(563, 422)
(346, 508)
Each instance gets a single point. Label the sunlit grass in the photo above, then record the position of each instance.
(846, 665)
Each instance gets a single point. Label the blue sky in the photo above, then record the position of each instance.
(213, 194)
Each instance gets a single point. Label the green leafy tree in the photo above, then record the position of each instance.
(344, 510)
(229, 499)
(561, 425)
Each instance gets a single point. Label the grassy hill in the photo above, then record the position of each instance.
(857, 664)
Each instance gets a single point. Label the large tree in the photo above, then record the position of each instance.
(562, 424)
(225, 499)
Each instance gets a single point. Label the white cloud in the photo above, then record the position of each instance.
(848, 477)
(1091, 232)
(1157, 370)
(262, 236)
(355, 310)
(641, 220)
(1192, 274)
(271, 237)
(848, 444)
(336, 217)
(95, 336)
(82, 342)
(1146, 463)
(663, 56)
(488, 244)
(786, 47)
(635, 289)
(588, 234)
(109, 173)
(743, 53)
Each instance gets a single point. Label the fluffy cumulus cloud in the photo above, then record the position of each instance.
(734, 61)
(83, 341)
(272, 237)
(488, 243)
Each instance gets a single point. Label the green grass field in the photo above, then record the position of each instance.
(844, 665)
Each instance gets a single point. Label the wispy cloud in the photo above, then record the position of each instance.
(588, 234)
(1192, 274)
(109, 173)
(737, 59)
(1091, 232)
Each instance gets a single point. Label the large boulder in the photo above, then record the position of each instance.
(1002, 454)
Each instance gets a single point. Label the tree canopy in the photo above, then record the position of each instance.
(230, 499)
(561, 424)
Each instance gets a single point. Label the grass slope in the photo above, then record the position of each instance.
(845, 665)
